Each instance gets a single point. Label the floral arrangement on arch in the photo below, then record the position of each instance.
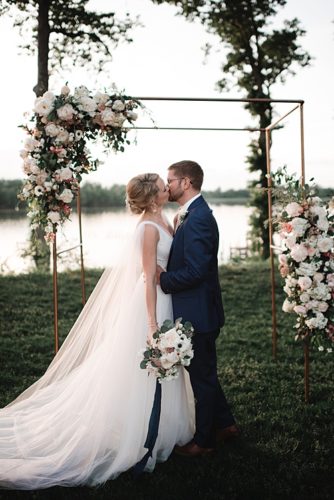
(55, 153)
(305, 225)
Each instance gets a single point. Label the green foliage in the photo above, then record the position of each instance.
(285, 451)
(78, 35)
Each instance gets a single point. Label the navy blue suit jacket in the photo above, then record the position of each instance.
(192, 271)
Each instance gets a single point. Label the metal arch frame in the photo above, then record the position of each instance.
(299, 104)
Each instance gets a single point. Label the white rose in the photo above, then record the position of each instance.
(318, 277)
(31, 143)
(294, 209)
(49, 96)
(66, 196)
(169, 339)
(62, 136)
(299, 225)
(101, 98)
(87, 104)
(290, 241)
(299, 252)
(325, 244)
(323, 224)
(64, 173)
(330, 280)
(283, 259)
(107, 116)
(318, 322)
(53, 216)
(43, 107)
(51, 129)
(118, 105)
(65, 112)
(288, 306)
(300, 310)
(323, 306)
(304, 282)
(304, 297)
(320, 292)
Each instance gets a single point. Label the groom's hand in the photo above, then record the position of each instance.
(159, 271)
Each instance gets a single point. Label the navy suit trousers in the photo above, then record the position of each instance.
(211, 408)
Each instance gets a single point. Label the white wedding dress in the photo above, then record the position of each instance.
(86, 419)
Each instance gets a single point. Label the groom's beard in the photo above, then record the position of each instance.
(176, 195)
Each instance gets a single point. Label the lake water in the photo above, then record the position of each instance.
(104, 236)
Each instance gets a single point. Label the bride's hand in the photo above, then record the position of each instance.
(152, 329)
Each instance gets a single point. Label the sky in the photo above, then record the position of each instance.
(166, 59)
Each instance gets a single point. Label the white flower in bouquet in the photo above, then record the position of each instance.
(308, 268)
(64, 173)
(320, 292)
(318, 322)
(304, 297)
(299, 252)
(288, 306)
(325, 244)
(24, 153)
(66, 112)
(87, 104)
(51, 129)
(53, 216)
(290, 241)
(169, 349)
(101, 98)
(323, 224)
(294, 209)
(304, 282)
(299, 226)
(31, 143)
(62, 136)
(118, 105)
(43, 107)
(66, 196)
(39, 190)
(300, 310)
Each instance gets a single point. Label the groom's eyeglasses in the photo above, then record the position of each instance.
(169, 181)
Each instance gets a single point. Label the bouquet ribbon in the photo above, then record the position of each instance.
(152, 432)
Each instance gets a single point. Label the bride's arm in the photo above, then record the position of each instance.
(149, 260)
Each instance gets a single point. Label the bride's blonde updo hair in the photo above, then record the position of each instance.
(140, 192)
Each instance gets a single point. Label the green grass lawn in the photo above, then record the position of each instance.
(286, 450)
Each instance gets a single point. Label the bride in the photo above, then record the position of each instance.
(86, 419)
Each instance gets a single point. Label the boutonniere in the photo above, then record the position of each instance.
(181, 217)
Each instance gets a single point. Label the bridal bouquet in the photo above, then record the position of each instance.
(306, 227)
(170, 348)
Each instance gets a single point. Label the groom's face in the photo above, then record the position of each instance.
(175, 185)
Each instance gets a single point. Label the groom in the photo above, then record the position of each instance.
(192, 279)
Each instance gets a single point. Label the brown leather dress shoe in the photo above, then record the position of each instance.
(228, 433)
(192, 449)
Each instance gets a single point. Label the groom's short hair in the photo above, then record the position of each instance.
(191, 169)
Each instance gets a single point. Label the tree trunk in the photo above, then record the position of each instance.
(43, 36)
(39, 249)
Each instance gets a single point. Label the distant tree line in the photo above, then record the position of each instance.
(94, 195)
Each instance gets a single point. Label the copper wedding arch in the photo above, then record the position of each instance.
(298, 106)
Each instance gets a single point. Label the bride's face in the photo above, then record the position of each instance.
(163, 194)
